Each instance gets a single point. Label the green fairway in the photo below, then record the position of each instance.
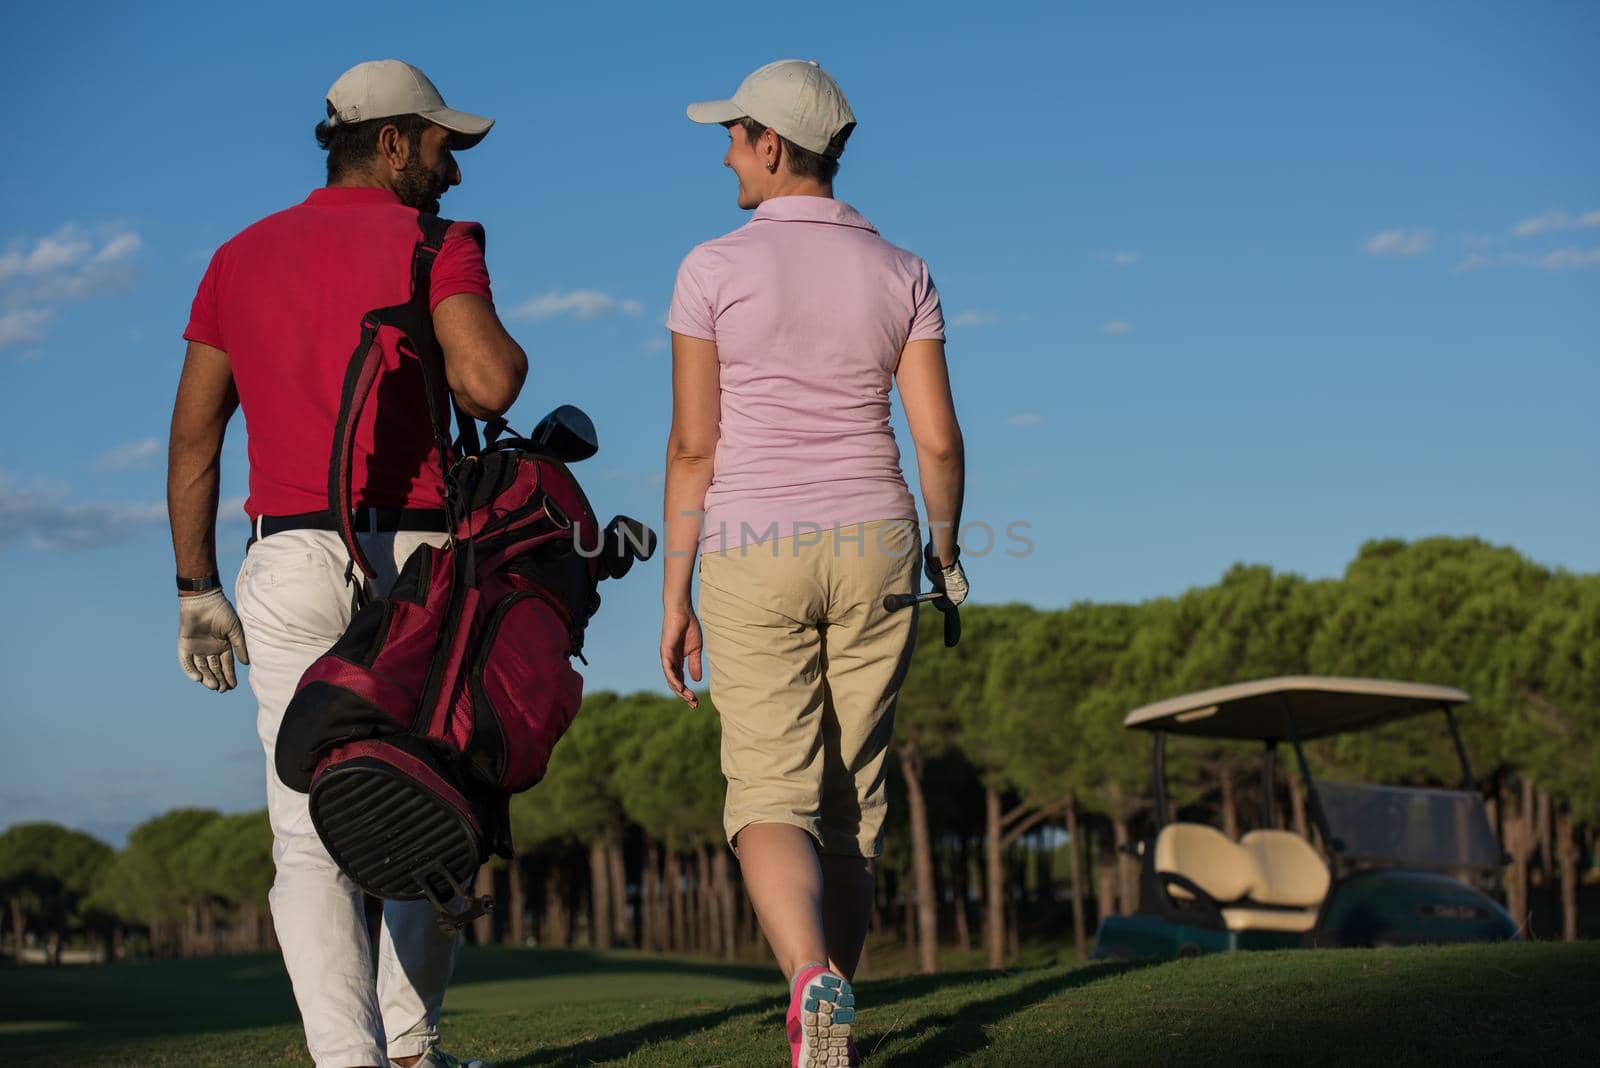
(1504, 1004)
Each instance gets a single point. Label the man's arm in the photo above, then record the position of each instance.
(209, 633)
(206, 401)
(483, 364)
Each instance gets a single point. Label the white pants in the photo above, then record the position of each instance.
(294, 603)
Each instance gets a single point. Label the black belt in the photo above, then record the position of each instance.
(367, 520)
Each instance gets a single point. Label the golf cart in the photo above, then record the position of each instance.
(1398, 854)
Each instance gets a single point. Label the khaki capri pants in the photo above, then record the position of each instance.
(805, 668)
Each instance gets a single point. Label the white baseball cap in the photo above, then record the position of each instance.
(385, 88)
(796, 98)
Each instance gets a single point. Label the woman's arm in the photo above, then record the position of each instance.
(924, 384)
(691, 449)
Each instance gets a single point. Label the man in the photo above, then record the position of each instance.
(272, 329)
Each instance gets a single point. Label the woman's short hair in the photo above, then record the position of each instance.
(803, 162)
(352, 145)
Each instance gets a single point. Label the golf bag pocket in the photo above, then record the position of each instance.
(522, 692)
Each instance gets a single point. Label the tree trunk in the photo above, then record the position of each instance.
(1105, 885)
(649, 879)
(599, 897)
(680, 922)
(705, 903)
(1230, 802)
(1127, 877)
(555, 922)
(617, 872)
(19, 927)
(1297, 804)
(516, 903)
(1517, 826)
(1567, 855)
(921, 859)
(483, 886)
(1075, 846)
(1546, 839)
(721, 875)
(960, 887)
(994, 912)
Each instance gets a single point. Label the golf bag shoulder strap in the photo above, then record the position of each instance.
(414, 321)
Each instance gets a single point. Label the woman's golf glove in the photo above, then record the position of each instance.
(950, 581)
(209, 637)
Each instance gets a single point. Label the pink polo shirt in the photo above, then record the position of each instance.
(809, 309)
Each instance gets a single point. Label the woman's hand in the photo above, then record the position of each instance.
(680, 639)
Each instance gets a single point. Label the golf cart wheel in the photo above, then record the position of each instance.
(394, 838)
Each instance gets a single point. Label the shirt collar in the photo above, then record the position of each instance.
(343, 196)
(811, 209)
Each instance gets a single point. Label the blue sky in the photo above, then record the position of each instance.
(1224, 282)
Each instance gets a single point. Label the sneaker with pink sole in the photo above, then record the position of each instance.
(822, 1006)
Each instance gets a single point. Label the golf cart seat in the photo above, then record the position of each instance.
(1289, 876)
(1268, 881)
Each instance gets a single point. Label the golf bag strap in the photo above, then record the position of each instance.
(414, 320)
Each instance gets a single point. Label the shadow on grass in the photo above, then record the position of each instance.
(959, 1033)
(611, 1047)
(496, 965)
(962, 1032)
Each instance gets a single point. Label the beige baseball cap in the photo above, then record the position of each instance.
(796, 98)
(384, 88)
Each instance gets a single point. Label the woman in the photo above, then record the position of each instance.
(782, 471)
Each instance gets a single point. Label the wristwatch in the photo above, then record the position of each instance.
(212, 581)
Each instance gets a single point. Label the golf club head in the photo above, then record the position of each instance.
(626, 540)
(566, 434)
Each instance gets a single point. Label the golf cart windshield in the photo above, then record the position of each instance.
(1419, 828)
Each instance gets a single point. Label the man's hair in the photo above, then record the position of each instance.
(352, 145)
(803, 162)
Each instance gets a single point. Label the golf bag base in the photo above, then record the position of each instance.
(401, 826)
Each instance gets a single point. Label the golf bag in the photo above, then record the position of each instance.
(446, 696)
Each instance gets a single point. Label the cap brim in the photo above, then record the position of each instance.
(714, 112)
(465, 129)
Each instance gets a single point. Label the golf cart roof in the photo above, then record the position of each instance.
(1320, 705)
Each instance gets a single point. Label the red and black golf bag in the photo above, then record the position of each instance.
(446, 696)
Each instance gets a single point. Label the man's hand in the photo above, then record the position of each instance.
(950, 581)
(209, 637)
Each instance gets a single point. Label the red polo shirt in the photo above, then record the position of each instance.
(284, 299)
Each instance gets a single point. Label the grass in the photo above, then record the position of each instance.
(1505, 1004)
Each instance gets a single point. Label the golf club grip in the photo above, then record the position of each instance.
(952, 627)
(893, 602)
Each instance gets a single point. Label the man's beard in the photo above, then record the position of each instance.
(421, 188)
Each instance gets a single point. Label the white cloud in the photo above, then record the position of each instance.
(1565, 259)
(23, 326)
(1125, 259)
(1115, 328)
(37, 275)
(1561, 259)
(1026, 419)
(971, 319)
(654, 344)
(1550, 222)
(1399, 243)
(118, 248)
(577, 303)
(130, 455)
(40, 517)
(1539, 224)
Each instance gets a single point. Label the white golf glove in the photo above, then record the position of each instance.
(950, 581)
(209, 637)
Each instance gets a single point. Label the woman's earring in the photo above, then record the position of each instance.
(772, 167)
